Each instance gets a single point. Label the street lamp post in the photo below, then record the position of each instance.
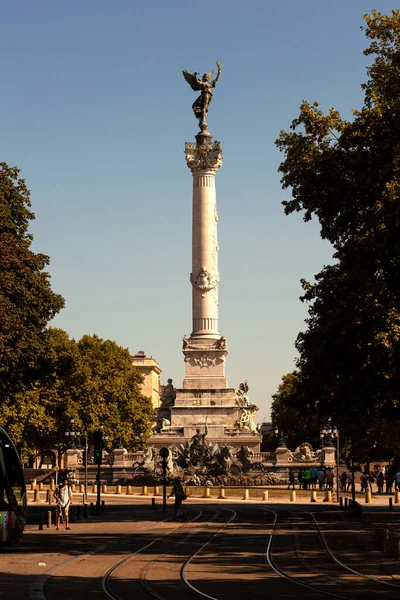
(281, 438)
(327, 434)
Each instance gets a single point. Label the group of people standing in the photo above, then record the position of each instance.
(385, 480)
(311, 477)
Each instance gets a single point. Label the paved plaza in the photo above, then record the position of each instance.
(223, 549)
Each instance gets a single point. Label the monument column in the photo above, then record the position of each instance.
(205, 349)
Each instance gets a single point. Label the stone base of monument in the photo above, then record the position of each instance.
(217, 409)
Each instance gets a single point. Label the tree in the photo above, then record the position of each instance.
(347, 174)
(292, 414)
(92, 381)
(27, 302)
(108, 392)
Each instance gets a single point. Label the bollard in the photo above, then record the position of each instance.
(104, 489)
(346, 503)
(397, 497)
(85, 511)
(78, 512)
(207, 492)
(49, 518)
(153, 504)
(118, 490)
(397, 545)
(378, 537)
(94, 489)
(144, 490)
(293, 496)
(82, 488)
(36, 495)
(388, 542)
(103, 504)
(390, 504)
(128, 490)
(156, 490)
(50, 498)
(41, 487)
(221, 492)
(328, 496)
(52, 485)
(41, 522)
(73, 487)
(246, 494)
(367, 497)
(265, 496)
(91, 509)
(33, 484)
(47, 496)
(341, 502)
(313, 496)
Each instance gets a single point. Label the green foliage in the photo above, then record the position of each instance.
(292, 414)
(27, 302)
(346, 174)
(92, 381)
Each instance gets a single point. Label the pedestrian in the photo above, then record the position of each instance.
(380, 480)
(180, 496)
(300, 478)
(364, 481)
(371, 480)
(397, 480)
(63, 498)
(389, 480)
(306, 478)
(343, 481)
(321, 478)
(330, 479)
(314, 477)
(349, 480)
(291, 479)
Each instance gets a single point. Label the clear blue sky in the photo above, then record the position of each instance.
(95, 112)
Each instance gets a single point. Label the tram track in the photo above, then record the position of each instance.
(334, 571)
(179, 585)
(292, 543)
(36, 588)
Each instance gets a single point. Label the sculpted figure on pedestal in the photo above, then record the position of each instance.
(198, 444)
(168, 395)
(305, 453)
(205, 86)
(186, 343)
(221, 345)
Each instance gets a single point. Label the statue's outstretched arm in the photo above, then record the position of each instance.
(218, 74)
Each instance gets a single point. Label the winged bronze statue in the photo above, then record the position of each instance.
(205, 86)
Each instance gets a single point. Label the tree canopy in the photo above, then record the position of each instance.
(27, 302)
(91, 381)
(346, 174)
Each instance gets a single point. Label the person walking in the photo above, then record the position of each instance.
(349, 480)
(380, 480)
(371, 480)
(321, 478)
(364, 481)
(300, 478)
(306, 478)
(291, 479)
(180, 496)
(314, 477)
(389, 480)
(343, 481)
(63, 498)
(397, 480)
(330, 479)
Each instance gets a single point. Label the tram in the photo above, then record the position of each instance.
(12, 492)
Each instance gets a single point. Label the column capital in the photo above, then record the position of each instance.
(208, 158)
